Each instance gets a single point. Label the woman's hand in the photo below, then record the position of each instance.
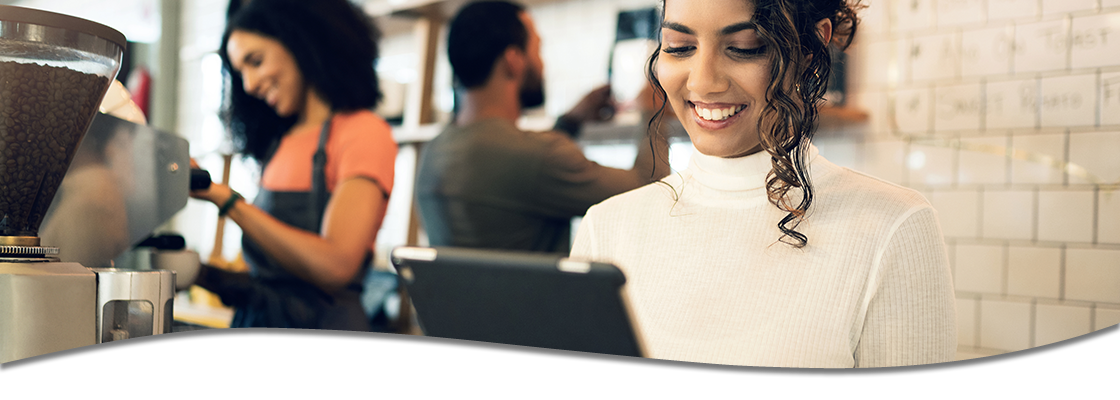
(217, 193)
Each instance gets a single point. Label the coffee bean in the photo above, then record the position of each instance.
(44, 112)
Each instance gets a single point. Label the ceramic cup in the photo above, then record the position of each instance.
(185, 263)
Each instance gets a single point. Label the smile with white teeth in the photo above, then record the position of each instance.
(718, 114)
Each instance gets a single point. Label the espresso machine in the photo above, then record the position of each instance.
(54, 71)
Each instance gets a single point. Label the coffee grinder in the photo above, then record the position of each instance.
(54, 71)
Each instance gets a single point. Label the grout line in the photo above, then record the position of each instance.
(1008, 161)
(1099, 95)
(1066, 157)
(1035, 194)
(1096, 214)
(1006, 270)
(953, 257)
(956, 157)
(977, 321)
(1038, 101)
(1032, 335)
(904, 162)
(1069, 41)
(1062, 273)
(1093, 318)
(980, 197)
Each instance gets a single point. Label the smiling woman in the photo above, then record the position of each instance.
(269, 72)
(301, 84)
(715, 76)
(762, 252)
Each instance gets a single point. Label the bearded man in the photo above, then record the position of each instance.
(484, 182)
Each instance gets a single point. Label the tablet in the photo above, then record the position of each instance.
(526, 299)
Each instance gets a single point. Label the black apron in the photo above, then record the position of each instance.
(270, 296)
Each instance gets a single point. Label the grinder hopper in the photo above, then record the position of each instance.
(54, 70)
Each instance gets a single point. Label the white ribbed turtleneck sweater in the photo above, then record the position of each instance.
(708, 281)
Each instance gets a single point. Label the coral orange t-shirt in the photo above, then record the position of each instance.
(360, 145)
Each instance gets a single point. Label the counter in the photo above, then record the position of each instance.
(218, 353)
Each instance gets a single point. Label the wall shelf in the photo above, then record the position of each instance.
(835, 117)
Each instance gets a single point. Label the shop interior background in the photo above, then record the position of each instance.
(1004, 113)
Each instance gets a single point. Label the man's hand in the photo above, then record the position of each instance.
(588, 109)
(649, 101)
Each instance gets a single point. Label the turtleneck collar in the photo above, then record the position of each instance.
(735, 174)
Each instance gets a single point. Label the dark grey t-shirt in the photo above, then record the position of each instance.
(490, 185)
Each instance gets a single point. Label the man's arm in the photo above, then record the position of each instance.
(569, 183)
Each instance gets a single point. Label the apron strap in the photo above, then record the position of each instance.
(319, 193)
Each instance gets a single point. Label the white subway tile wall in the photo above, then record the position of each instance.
(1008, 114)
(1005, 324)
(911, 14)
(1055, 323)
(957, 108)
(1095, 157)
(1038, 159)
(958, 211)
(1011, 104)
(912, 110)
(1063, 6)
(1108, 216)
(979, 268)
(878, 74)
(983, 161)
(987, 51)
(1068, 101)
(935, 57)
(1011, 9)
(1066, 216)
(1094, 41)
(1008, 214)
(1042, 46)
(932, 163)
(1093, 275)
(1110, 98)
(1034, 271)
(960, 12)
(884, 160)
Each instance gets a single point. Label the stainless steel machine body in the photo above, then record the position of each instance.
(132, 303)
(45, 307)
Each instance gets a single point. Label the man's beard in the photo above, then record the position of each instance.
(532, 90)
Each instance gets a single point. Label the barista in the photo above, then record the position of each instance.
(301, 84)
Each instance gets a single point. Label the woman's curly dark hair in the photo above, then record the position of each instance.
(800, 66)
(334, 44)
